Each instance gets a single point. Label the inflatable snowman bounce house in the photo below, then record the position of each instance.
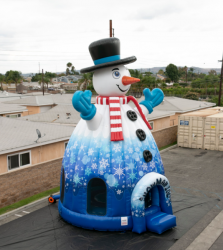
(112, 175)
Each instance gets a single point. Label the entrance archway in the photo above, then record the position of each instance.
(96, 197)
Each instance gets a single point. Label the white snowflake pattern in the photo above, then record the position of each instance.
(101, 172)
(137, 149)
(90, 151)
(71, 170)
(94, 166)
(144, 166)
(76, 167)
(133, 185)
(103, 163)
(119, 191)
(126, 157)
(117, 148)
(82, 147)
(113, 160)
(75, 145)
(119, 172)
(84, 184)
(74, 190)
(130, 150)
(152, 164)
(107, 155)
(123, 186)
(66, 176)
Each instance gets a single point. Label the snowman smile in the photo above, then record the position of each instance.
(122, 89)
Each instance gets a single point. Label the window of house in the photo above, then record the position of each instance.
(19, 160)
(151, 124)
(14, 115)
(65, 144)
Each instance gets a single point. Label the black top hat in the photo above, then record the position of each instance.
(106, 53)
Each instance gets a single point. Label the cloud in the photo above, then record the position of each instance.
(157, 11)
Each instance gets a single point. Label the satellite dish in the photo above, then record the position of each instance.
(39, 135)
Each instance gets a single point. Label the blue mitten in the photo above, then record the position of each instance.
(82, 103)
(152, 99)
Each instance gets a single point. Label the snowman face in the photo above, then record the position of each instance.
(108, 81)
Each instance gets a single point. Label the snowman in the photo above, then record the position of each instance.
(112, 147)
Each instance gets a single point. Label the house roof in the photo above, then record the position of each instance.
(11, 108)
(156, 114)
(51, 116)
(18, 135)
(181, 105)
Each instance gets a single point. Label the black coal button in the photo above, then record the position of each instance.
(141, 134)
(132, 115)
(147, 155)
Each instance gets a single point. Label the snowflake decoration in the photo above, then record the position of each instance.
(82, 147)
(76, 179)
(131, 165)
(90, 151)
(132, 176)
(113, 160)
(107, 155)
(126, 157)
(137, 149)
(123, 186)
(152, 164)
(117, 148)
(119, 191)
(119, 172)
(94, 166)
(71, 170)
(75, 145)
(119, 160)
(66, 176)
(103, 163)
(144, 166)
(76, 167)
(87, 171)
(130, 150)
(101, 172)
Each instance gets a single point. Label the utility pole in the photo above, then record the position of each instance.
(186, 74)
(42, 82)
(110, 28)
(39, 68)
(219, 97)
(113, 32)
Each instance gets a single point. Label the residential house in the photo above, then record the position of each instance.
(181, 106)
(12, 110)
(21, 146)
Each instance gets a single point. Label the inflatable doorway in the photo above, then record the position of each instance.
(151, 204)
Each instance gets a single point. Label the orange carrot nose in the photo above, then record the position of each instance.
(126, 80)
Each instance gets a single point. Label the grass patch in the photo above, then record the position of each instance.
(174, 143)
(28, 200)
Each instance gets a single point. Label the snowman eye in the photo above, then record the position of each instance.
(116, 74)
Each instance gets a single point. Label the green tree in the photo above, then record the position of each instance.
(85, 81)
(50, 76)
(172, 72)
(13, 76)
(212, 72)
(161, 72)
(2, 80)
(191, 96)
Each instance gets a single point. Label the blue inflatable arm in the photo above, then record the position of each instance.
(82, 103)
(152, 98)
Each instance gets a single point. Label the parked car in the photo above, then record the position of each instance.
(52, 89)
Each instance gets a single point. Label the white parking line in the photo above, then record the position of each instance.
(18, 215)
(209, 235)
(26, 212)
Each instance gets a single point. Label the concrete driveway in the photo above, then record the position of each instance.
(195, 171)
(200, 173)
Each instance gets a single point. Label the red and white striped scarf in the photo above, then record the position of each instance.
(115, 113)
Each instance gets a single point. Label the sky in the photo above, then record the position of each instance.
(54, 32)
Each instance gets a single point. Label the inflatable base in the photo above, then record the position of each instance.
(156, 221)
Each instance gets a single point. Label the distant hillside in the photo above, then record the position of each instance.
(154, 70)
(30, 74)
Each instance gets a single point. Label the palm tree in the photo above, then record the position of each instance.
(85, 81)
